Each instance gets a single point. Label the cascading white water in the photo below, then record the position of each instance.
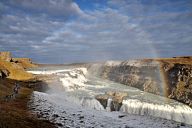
(91, 103)
(180, 113)
(48, 72)
(109, 103)
(77, 90)
(73, 80)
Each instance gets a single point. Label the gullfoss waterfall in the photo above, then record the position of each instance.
(73, 103)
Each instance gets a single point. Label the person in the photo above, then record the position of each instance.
(16, 88)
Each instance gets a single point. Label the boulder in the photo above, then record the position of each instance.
(111, 100)
(4, 73)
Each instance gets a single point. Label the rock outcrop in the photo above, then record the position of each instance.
(14, 68)
(111, 101)
(6, 56)
(180, 83)
(24, 62)
(4, 73)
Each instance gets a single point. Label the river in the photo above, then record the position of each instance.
(70, 102)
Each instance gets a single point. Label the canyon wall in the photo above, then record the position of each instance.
(169, 77)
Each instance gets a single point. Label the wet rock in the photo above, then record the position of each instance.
(81, 117)
(81, 121)
(182, 124)
(103, 99)
(116, 97)
(59, 124)
(121, 116)
(55, 115)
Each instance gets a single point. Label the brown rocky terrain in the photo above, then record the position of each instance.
(14, 68)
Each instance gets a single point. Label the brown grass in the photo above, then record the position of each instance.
(175, 60)
(14, 113)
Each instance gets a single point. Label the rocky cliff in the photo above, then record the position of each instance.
(169, 77)
(14, 68)
(24, 62)
(141, 74)
(179, 79)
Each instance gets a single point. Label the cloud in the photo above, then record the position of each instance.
(65, 8)
(107, 34)
(166, 23)
(58, 31)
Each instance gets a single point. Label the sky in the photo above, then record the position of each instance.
(71, 31)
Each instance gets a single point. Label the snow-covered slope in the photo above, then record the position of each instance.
(65, 114)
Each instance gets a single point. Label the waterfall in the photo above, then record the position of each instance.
(73, 80)
(91, 103)
(180, 113)
(81, 90)
(109, 104)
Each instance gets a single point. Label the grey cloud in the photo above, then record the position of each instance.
(24, 33)
(95, 35)
(167, 23)
(64, 8)
(109, 33)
